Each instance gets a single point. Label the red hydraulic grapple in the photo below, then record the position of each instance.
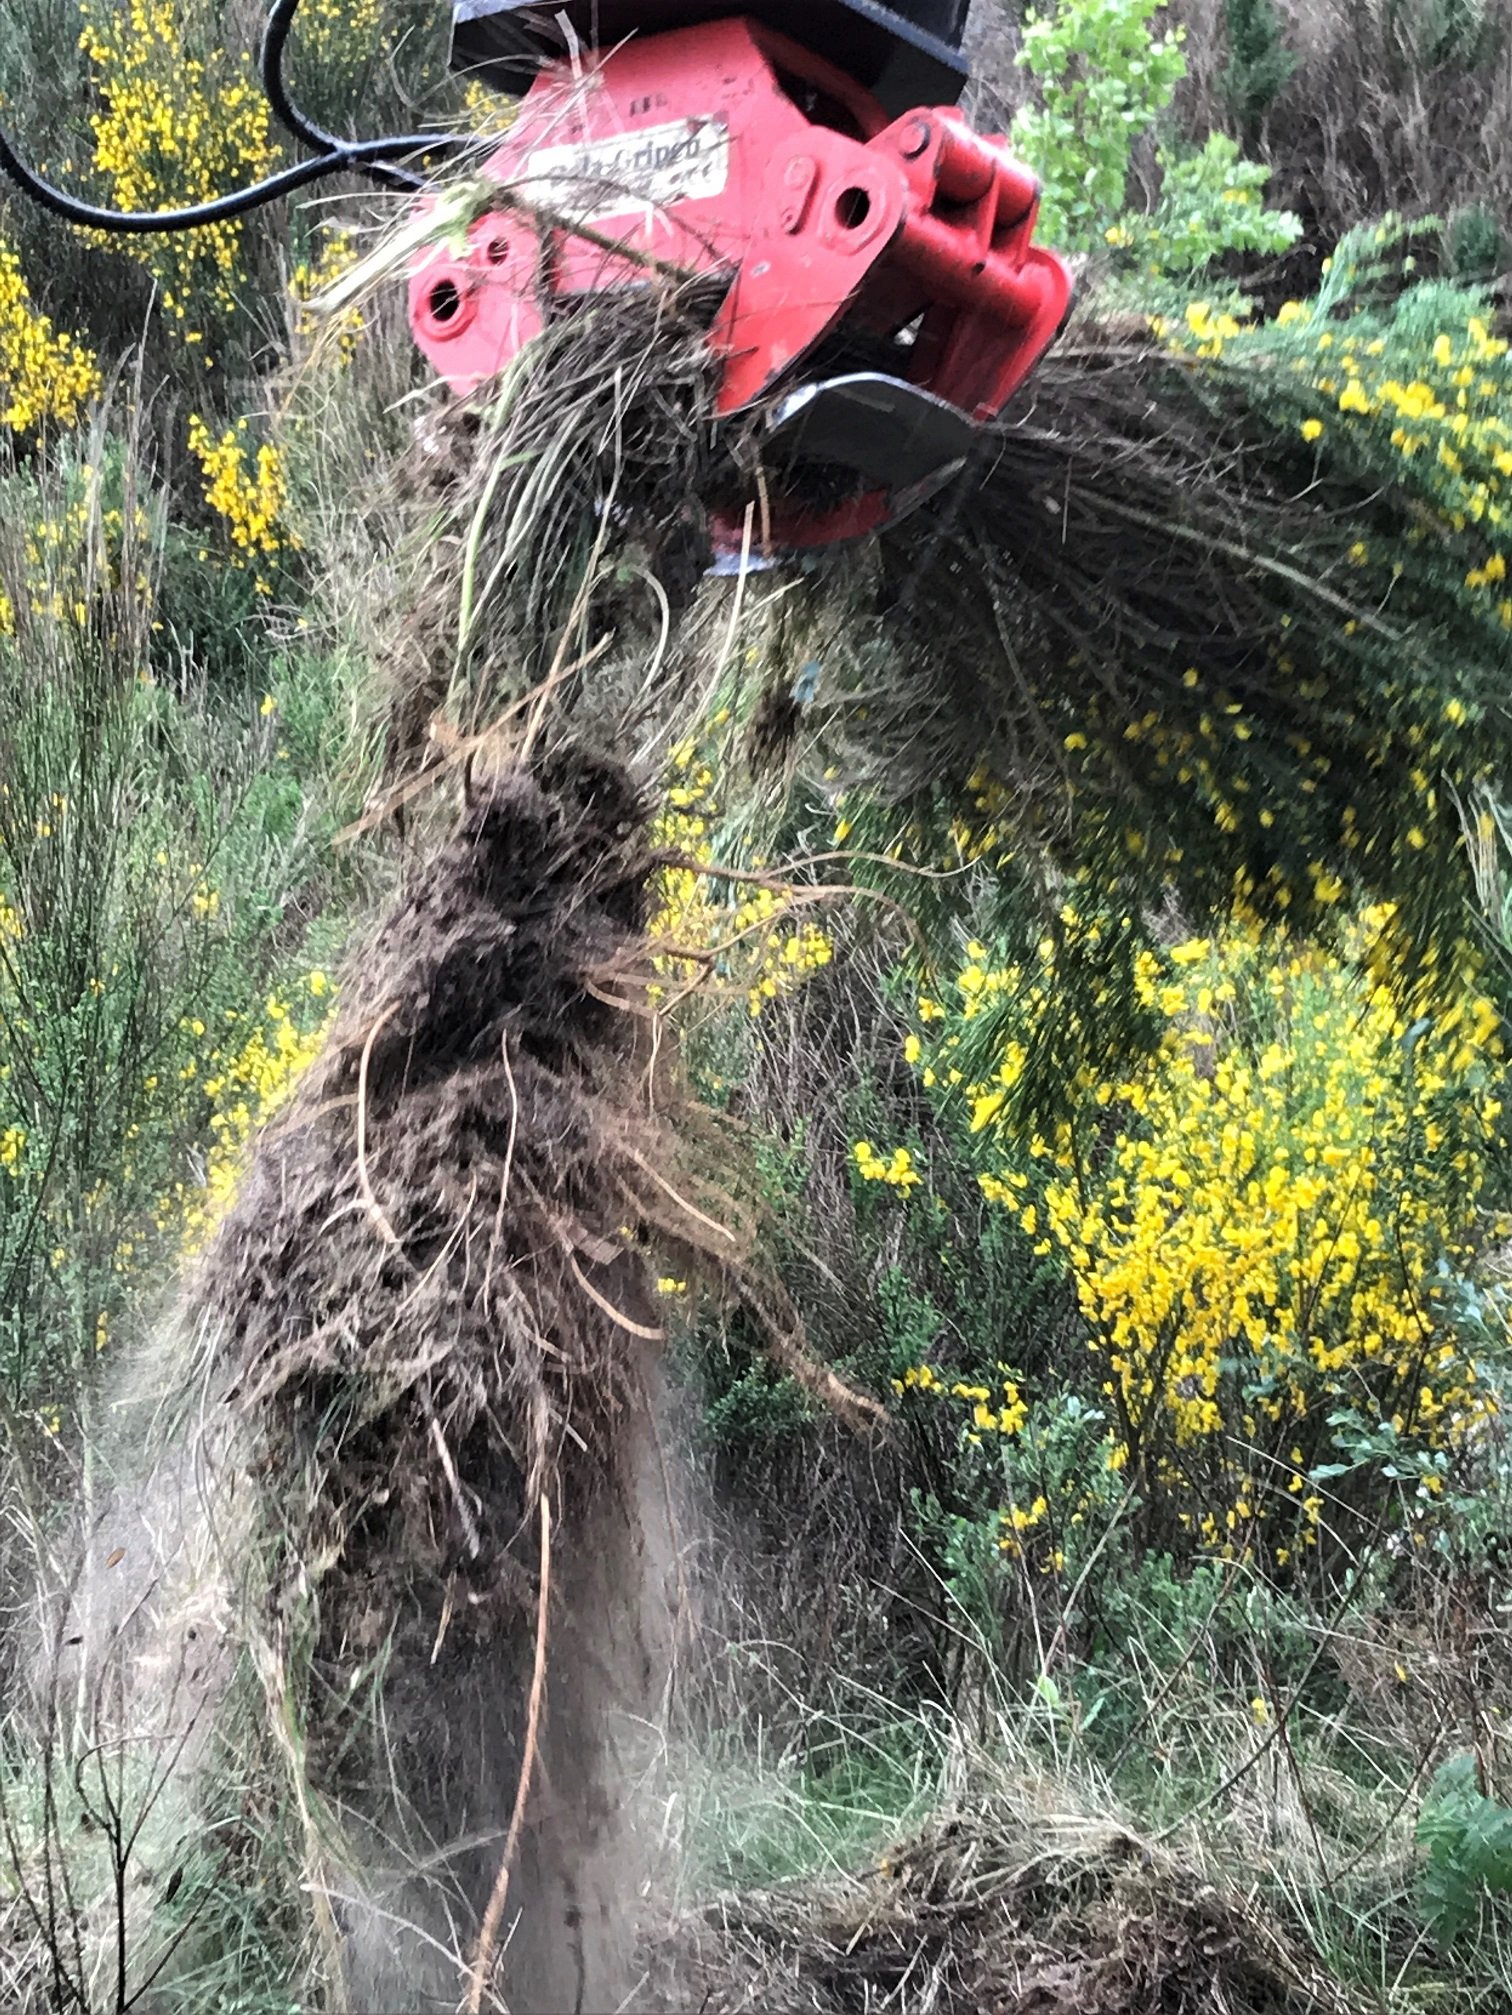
(880, 296)
(885, 296)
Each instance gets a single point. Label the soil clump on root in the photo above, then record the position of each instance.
(435, 1311)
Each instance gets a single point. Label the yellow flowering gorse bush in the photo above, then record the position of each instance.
(45, 374)
(244, 485)
(245, 1083)
(175, 128)
(1257, 1222)
(1435, 396)
(1451, 409)
(335, 256)
(896, 1169)
(84, 547)
(741, 932)
(330, 27)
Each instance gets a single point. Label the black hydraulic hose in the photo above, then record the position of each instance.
(354, 157)
(292, 116)
(376, 159)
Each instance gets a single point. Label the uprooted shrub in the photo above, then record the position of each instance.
(434, 1304)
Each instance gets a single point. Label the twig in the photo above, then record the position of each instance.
(709, 1223)
(493, 1916)
(1059, 1640)
(514, 1117)
(806, 892)
(737, 600)
(464, 1509)
(615, 1315)
(364, 1181)
(447, 1604)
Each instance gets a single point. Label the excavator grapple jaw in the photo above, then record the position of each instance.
(879, 297)
(883, 296)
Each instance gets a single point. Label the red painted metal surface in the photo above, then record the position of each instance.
(692, 150)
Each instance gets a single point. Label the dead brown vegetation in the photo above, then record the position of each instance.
(1002, 1911)
(559, 514)
(1398, 106)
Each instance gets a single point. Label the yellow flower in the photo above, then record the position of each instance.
(985, 1109)
(750, 932)
(1249, 1227)
(173, 127)
(248, 490)
(244, 1088)
(1312, 430)
(897, 1170)
(44, 374)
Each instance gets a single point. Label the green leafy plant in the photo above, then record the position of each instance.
(1105, 79)
(1211, 204)
(1260, 63)
(1469, 1841)
(1475, 245)
(1444, 34)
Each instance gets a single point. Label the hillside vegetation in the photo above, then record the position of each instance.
(809, 1274)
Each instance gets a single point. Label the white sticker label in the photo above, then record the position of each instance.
(592, 180)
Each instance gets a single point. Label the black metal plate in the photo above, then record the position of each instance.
(892, 434)
(905, 58)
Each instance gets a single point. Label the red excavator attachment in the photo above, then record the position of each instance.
(883, 294)
(880, 296)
